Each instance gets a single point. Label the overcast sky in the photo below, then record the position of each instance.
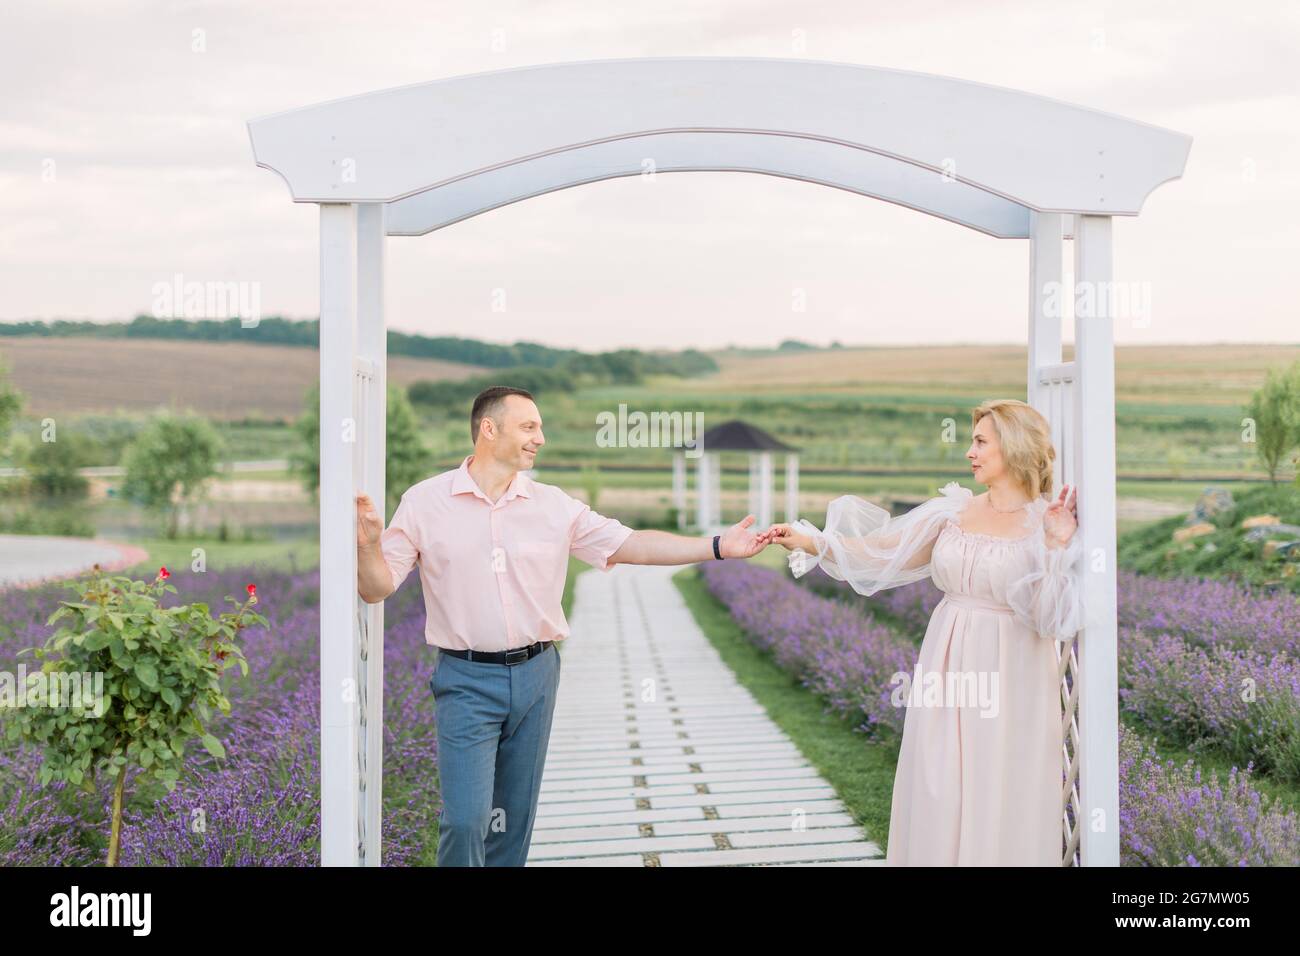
(124, 160)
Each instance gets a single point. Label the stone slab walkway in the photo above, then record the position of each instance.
(659, 757)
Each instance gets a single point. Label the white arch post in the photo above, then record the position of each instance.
(416, 159)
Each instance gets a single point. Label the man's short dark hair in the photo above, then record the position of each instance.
(490, 403)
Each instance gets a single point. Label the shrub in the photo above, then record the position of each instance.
(157, 678)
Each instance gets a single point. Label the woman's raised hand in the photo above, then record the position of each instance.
(788, 538)
(1061, 517)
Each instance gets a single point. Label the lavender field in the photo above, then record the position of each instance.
(260, 805)
(1206, 664)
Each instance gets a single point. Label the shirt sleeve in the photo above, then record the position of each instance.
(1047, 597)
(870, 549)
(400, 543)
(593, 538)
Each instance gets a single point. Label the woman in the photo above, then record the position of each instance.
(979, 782)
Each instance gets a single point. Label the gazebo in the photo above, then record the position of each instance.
(1008, 164)
(739, 436)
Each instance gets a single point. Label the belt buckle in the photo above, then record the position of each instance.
(516, 655)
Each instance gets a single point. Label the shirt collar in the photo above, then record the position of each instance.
(463, 482)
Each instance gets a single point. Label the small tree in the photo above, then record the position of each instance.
(406, 458)
(1275, 409)
(168, 463)
(11, 404)
(157, 674)
(53, 467)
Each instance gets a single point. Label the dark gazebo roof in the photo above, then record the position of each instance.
(736, 435)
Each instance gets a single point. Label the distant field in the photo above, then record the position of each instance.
(1179, 408)
(1174, 374)
(223, 380)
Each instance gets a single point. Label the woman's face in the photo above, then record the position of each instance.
(985, 454)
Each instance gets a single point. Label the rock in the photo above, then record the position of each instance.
(1265, 531)
(1195, 531)
(1213, 502)
(1256, 521)
(1284, 549)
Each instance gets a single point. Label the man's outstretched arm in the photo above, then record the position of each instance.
(662, 547)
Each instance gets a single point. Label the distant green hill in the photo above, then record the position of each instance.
(1226, 551)
(620, 365)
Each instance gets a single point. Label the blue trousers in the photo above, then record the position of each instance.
(494, 723)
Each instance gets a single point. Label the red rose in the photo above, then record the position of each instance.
(164, 573)
(252, 589)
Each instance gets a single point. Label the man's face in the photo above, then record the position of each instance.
(518, 433)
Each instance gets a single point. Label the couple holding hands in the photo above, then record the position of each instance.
(493, 545)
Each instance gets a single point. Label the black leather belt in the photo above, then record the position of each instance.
(516, 655)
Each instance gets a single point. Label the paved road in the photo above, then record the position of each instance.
(27, 559)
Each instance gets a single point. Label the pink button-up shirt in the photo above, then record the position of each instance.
(493, 573)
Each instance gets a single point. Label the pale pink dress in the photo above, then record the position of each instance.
(979, 777)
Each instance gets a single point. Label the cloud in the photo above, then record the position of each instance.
(141, 107)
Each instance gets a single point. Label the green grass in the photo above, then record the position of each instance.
(294, 555)
(1151, 549)
(861, 772)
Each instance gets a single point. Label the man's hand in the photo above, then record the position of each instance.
(739, 542)
(369, 527)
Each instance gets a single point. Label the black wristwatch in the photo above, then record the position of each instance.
(717, 554)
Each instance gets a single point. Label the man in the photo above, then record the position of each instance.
(493, 548)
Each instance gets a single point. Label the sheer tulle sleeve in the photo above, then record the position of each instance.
(1046, 597)
(870, 549)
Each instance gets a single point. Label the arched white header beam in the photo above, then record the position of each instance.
(1032, 151)
(811, 160)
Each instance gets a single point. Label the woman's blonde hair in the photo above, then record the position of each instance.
(1026, 440)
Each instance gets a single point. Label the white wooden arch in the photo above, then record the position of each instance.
(1009, 164)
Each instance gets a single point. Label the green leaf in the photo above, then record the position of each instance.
(213, 745)
(169, 695)
(147, 675)
(95, 641)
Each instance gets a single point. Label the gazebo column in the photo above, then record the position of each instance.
(764, 512)
(715, 490)
(791, 488)
(1094, 446)
(755, 485)
(341, 806)
(679, 488)
(702, 487)
(372, 407)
